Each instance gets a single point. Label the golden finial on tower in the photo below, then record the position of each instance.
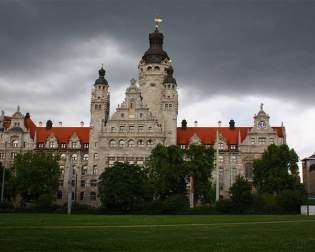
(157, 21)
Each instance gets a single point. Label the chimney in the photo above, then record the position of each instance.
(81, 123)
(196, 123)
(40, 124)
(60, 124)
(232, 124)
(184, 124)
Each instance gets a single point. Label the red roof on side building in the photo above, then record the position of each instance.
(62, 134)
(207, 135)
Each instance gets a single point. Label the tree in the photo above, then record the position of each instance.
(9, 183)
(241, 194)
(277, 170)
(200, 167)
(167, 171)
(37, 176)
(123, 187)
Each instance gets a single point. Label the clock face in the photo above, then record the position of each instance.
(261, 124)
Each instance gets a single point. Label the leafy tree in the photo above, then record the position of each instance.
(241, 194)
(200, 167)
(167, 171)
(123, 187)
(37, 176)
(277, 170)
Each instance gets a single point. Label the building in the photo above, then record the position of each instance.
(146, 117)
(308, 172)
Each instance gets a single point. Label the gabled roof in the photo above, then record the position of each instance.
(62, 134)
(207, 135)
(28, 123)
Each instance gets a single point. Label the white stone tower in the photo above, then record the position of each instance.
(156, 93)
(100, 106)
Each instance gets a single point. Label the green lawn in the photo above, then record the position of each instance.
(52, 232)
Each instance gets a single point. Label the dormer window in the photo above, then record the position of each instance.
(221, 146)
(74, 145)
(15, 144)
(41, 145)
(86, 146)
(232, 147)
(51, 145)
(63, 146)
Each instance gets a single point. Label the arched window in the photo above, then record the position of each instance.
(95, 156)
(150, 142)
(92, 195)
(149, 68)
(140, 143)
(59, 195)
(86, 157)
(156, 68)
(63, 156)
(121, 143)
(248, 170)
(112, 143)
(51, 145)
(131, 143)
(81, 195)
(15, 143)
(74, 157)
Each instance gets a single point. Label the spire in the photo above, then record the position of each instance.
(155, 53)
(101, 79)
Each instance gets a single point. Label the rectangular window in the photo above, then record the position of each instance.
(271, 140)
(121, 128)
(94, 171)
(183, 146)
(261, 140)
(221, 146)
(113, 129)
(220, 158)
(140, 128)
(74, 145)
(63, 146)
(232, 147)
(93, 182)
(95, 156)
(13, 155)
(84, 170)
(60, 182)
(86, 146)
(131, 128)
(233, 159)
(1, 155)
(252, 140)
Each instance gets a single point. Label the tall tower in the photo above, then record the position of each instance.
(153, 71)
(100, 101)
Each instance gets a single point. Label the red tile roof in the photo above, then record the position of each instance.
(30, 125)
(63, 134)
(207, 135)
(7, 121)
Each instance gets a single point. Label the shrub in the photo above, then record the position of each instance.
(290, 201)
(174, 203)
(224, 206)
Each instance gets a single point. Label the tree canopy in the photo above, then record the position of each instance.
(200, 167)
(277, 170)
(241, 194)
(167, 171)
(37, 175)
(122, 187)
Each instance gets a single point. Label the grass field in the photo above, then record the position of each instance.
(53, 232)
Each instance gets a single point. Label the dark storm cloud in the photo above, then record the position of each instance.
(218, 47)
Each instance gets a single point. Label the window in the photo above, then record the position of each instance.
(220, 159)
(140, 115)
(82, 184)
(81, 195)
(232, 147)
(86, 146)
(62, 169)
(86, 157)
(121, 143)
(95, 155)
(170, 106)
(93, 182)
(122, 115)
(51, 145)
(92, 195)
(74, 157)
(233, 159)
(63, 156)
(15, 144)
(150, 128)
(233, 177)
(13, 155)
(121, 128)
(1, 155)
(63, 146)
(41, 145)
(59, 195)
(271, 140)
(261, 140)
(84, 170)
(139, 161)
(140, 128)
(221, 146)
(112, 143)
(131, 143)
(252, 140)
(166, 106)
(183, 146)
(221, 178)
(156, 68)
(112, 129)
(111, 161)
(248, 170)
(73, 183)
(74, 145)
(94, 171)
(150, 142)
(140, 143)
(131, 128)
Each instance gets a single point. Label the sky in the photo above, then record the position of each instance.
(228, 57)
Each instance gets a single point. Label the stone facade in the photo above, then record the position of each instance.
(146, 117)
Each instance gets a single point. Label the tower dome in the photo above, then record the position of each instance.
(155, 53)
(101, 79)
